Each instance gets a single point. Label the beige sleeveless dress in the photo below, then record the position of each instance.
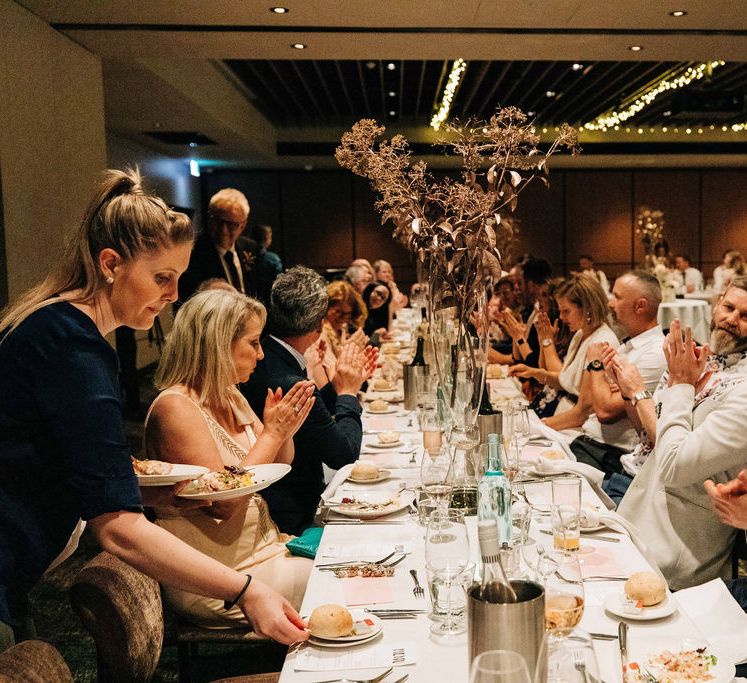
(248, 542)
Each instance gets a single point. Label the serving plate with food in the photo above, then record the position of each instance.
(368, 473)
(160, 473)
(380, 407)
(234, 482)
(335, 626)
(658, 659)
(644, 597)
(371, 504)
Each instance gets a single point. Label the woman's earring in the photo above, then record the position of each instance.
(110, 280)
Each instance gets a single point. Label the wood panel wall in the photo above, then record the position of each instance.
(324, 219)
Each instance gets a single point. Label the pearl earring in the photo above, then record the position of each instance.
(110, 280)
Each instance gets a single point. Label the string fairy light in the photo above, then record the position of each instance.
(452, 83)
(613, 118)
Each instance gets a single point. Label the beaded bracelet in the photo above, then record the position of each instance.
(228, 605)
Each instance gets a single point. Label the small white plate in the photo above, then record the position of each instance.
(591, 529)
(615, 604)
(178, 473)
(264, 476)
(376, 444)
(648, 644)
(401, 501)
(389, 410)
(383, 474)
(376, 626)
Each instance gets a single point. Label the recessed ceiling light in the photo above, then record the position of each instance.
(678, 13)
(279, 10)
(666, 113)
(370, 65)
(635, 48)
(392, 113)
(531, 113)
(193, 144)
(577, 67)
(298, 46)
(391, 66)
(392, 93)
(550, 93)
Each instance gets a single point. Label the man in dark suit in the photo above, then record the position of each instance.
(332, 432)
(222, 252)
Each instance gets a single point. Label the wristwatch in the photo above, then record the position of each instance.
(521, 341)
(595, 366)
(546, 342)
(640, 396)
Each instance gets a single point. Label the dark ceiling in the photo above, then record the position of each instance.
(313, 93)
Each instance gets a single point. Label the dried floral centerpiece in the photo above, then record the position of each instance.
(454, 226)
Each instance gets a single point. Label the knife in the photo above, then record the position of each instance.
(622, 635)
(611, 539)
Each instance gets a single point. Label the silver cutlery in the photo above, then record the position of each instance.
(356, 520)
(591, 578)
(603, 636)
(580, 663)
(356, 564)
(403, 679)
(377, 679)
(418, 591)
(397, 549)
(622, 635)
(611, 539)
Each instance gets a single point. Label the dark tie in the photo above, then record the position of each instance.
(233, 274)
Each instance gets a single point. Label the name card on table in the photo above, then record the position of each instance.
(384, 655)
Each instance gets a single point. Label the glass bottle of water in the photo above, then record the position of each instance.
(494, 493)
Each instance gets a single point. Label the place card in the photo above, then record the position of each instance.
(382, 655)
(367, 591)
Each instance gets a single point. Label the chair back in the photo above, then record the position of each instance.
(121, 609)
(33, 661)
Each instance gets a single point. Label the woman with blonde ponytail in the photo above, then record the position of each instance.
(63, 452)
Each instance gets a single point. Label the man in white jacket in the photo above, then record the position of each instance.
(700, 434)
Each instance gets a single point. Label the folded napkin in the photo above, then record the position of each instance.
(342, 474)
(617, 521)
(562, 441)
(307, 544)
(718, 616)
(591, 474)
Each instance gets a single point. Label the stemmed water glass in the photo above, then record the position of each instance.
(521, 425)
(564, 592)
(437, 475)
(447, 556)
(499, 666)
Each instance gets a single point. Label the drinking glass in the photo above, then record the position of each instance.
(510, 457)
(447, 556)
(432, 426)
(494, 666)
(440, 598)
(437, 475)
(564, 593)
(521, 424)
(569, 660)
(566, 513)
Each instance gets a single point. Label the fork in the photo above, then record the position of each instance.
(580, 663)
(333, 568)
(377, 679)
(418, 591)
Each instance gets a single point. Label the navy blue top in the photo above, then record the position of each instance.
(331, 434)
(63, 452)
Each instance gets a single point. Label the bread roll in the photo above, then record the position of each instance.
(553, 455)
(381, 385)
(496, 371)
(378, 406)
(330, 621)
(647, 587)
(388, 437)
(365, 470)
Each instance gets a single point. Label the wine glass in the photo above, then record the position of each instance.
(447, 556)
(521, 424)
(569, 660)
(494, 666)
(510, 457)
(432, 426)
(437, 475)
(564, 593)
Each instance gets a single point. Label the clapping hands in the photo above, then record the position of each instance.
(730, 500)
(685, 360)
(284, 415)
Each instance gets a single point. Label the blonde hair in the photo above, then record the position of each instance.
(586, 293)
(197, 353)
(341, 292)
(232, 196)
(122, 217)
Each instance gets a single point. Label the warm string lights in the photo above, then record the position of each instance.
(667, 130)
(452, 83)
(615, 118)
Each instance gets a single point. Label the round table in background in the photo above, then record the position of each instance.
(692, 313)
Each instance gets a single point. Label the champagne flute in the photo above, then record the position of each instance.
(447, 556)
(499, 666)
(437, 475)
(432, 427)
(521, 425)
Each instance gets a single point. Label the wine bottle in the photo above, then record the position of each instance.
(495, 586)
(419, 359)
(486, 407)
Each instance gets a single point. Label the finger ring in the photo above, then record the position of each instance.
(296, 409)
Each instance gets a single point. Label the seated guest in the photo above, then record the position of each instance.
(719, 284)
(365, 263)
(376, 297)
(607, 433)
(63, 449)
(500, 344)
(700, 435)
(691, 279)
(331, 434)
(343, 323)
(583, 306)
(586, 267)
(736, 267)
(201, 418)
(268, 264)
(383, 272)
(358, 276)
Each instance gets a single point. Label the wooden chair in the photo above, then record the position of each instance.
(122, 610)
(33, 661)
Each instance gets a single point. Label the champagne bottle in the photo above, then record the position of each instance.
(419, 359)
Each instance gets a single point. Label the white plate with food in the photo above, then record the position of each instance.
(652, 657)
(365, 627)
(382, 476)
(376, 410)
(376, 444)
(371, 504)
(618, 604)
(159, 473)
(234, 484)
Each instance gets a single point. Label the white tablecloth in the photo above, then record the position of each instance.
(693, 313)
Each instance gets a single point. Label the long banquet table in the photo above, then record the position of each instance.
(436, 661)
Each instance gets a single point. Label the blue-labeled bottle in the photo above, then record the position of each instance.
(494, 493)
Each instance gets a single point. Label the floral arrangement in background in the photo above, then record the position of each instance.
(455, 226)
(649, 224)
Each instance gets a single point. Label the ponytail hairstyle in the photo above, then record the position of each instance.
(122, 217)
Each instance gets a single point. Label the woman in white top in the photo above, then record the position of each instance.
(583, 306)
(201, 418)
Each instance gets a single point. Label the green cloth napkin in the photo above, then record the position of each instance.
(307, 543)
